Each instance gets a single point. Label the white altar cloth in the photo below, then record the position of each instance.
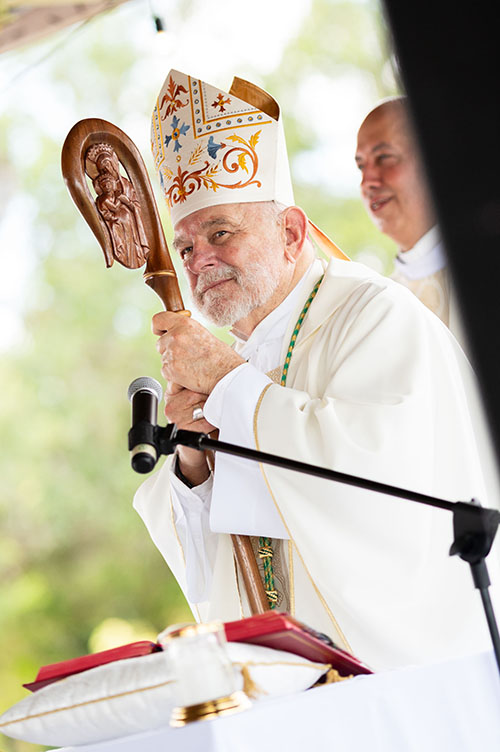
(453, 706)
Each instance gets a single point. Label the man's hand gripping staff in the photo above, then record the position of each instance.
(191, 355)
(193, 361)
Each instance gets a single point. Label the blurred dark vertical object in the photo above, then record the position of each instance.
(449, 59)
(158, 24)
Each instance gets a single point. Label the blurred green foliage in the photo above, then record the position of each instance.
(74, 553)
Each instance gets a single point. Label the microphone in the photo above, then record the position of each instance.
(144, 394)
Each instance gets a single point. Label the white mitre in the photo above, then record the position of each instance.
(212, 147)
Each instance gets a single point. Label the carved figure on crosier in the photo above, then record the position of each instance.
(118, 205)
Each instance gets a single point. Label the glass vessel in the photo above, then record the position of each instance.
(205, 680)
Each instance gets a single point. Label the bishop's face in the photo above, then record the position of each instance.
(393, 187)
(233, 256)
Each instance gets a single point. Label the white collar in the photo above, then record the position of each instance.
(425, 258)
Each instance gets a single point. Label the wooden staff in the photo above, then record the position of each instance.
(125, 220)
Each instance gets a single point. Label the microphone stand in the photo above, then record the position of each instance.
(474, 526)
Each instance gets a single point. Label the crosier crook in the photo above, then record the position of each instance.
(129, 230)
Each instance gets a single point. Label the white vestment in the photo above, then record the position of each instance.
(423, 270)
(376, 388)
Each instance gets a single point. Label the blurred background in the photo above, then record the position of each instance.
(78, 572)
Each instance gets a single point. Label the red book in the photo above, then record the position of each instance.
(55, 671)
(282, 632)
(272, 630)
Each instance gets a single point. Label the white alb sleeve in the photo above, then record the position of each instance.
(192, 513)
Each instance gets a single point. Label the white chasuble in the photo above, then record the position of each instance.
(374, 389)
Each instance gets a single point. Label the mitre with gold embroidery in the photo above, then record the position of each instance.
(212, 147)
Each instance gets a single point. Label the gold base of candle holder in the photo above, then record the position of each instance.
(205, 711)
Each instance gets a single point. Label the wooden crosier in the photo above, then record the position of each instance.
(125, 220)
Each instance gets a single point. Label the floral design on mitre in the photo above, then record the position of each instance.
(177, 131)
(213, 148)
(243, 156)
(220, 102)
(172, 99)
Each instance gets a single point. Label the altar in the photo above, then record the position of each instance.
(452, 706)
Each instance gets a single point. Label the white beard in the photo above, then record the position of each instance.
(256, 283)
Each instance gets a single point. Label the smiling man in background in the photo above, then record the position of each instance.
(395, 193)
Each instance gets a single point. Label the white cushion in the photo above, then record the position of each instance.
(134, 695)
